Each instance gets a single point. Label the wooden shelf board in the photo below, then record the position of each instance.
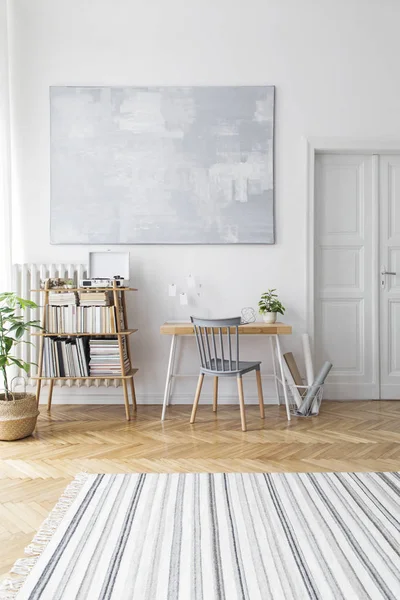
(88, 289)
(126, 332)
(130, 373)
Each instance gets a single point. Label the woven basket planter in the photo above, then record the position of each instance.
(18, 416)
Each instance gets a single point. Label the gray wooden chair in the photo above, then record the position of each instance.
(212, 350)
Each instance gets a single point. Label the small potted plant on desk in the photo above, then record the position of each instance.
(269, 306)
(18, 411)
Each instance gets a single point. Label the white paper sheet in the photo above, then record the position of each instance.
(191, 281)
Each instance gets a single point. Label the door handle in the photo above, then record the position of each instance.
(383, 279)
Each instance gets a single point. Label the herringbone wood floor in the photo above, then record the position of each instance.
(346, 436)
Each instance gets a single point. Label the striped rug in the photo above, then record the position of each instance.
(218, 536)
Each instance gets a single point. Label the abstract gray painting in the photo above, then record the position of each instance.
(162, 165)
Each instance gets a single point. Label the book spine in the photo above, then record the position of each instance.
(60, 359)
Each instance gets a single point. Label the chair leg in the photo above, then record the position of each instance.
(241, 400)
(215, 400)
(260, 393)
(197, 397)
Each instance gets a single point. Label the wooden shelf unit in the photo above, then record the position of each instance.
(119, 303)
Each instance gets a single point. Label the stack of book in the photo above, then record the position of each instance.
(65, 357)
(105, 358)
(80, 319)
(63, 298)
(96, 298)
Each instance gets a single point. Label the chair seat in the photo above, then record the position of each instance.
(216, 368)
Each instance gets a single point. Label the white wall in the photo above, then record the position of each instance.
(5, 159)
(335, 67)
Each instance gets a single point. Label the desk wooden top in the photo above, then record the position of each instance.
(175, 328)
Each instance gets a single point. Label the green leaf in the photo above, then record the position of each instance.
(26, 303)
(8, 342)
(22, 365)
(16, 361)
(14, 326)
(19, 332)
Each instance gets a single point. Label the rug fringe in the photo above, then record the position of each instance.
(9, 588)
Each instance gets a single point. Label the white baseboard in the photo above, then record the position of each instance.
(149, 399)
(103, 395)
(70, 396)
(351, 391)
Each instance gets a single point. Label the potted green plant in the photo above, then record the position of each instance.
(269, 306)
(18, 411)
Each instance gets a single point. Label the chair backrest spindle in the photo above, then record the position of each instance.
(230, 349)
(197, 335)
(237, 347)
(208, 348)
(215, 348)
(201, 329)
(221, 343)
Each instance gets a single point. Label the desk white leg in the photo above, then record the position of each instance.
(274, 367)
(168, 379)
(171, 375)
(280, 359)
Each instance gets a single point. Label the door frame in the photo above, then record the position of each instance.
(335, 145)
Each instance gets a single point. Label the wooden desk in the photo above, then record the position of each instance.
(273, 331)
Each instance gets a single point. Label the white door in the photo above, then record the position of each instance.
(389, 259)
(346, 274)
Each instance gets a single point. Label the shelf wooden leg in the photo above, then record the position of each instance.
(133, 394)
(197, 397)
(44, 324)
(38, 386)
(51, 384)
(241, 400)
(126, 398)
(260, 394)
(215, 399)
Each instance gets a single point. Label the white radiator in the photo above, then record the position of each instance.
(25, 278)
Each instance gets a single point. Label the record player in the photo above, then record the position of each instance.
(104, 282)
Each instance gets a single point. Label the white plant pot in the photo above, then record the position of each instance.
(269, 317)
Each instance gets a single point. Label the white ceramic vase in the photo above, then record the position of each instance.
(269, 317)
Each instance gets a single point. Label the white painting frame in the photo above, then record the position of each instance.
(162, 165)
